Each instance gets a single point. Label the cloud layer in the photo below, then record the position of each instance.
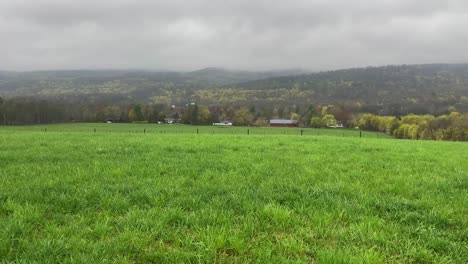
(238, 34)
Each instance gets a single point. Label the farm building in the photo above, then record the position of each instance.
(224, 123)
(171, 120)
(337, 125)
(283, 123)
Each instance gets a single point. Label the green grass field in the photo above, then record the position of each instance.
(85, 197)
(186, 129)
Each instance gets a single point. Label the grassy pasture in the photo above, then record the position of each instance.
(181, 198)
(186, 129)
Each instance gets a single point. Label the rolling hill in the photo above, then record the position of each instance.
(388, 90)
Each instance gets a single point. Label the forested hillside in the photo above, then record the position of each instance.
(124, 86)
(390, 90)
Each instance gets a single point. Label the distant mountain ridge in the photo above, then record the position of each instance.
(368, 74)
(72, 82)
(378, 85)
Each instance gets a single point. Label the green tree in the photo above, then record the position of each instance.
(261, 121)
(316, 122)
(242, 117)
(324, 111)
(135, 114)
(392, 124)
(426, 134)
(153, 114)
(306, 117)
(329, 120)
(294, 116)
(190, 115)
(367, 122)
(204, 115)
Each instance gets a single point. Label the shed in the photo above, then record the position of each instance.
(283, 123)
(171, 120)
(224, 123)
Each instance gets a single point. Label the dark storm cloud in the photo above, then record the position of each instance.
(246, 34)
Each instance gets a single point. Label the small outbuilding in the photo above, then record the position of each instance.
(224, 123)
(171, 120)
(283, 123)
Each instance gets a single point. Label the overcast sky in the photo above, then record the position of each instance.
(235, 34)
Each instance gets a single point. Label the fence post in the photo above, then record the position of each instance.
(197, 131)
(94, 130)
(144, 131)
(248, 131)
(360, 133)
(302, 131)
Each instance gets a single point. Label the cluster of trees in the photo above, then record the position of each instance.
(28, 110)
(20, 111)
(453, 126)
(31, 110)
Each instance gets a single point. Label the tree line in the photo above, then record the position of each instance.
(32, 110)
(453, 126)
(29, 111)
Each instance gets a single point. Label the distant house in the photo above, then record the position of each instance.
(224, 123)
(283, 123)
(337, 125)
(171, 120)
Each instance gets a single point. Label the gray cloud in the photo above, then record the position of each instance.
(240, 34)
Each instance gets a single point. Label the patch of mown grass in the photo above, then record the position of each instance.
(119, 197)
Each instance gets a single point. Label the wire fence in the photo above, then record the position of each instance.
(196, 130)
